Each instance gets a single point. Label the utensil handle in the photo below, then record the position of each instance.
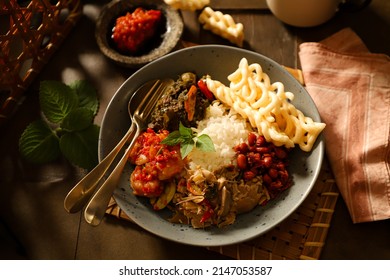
(81, 193)
(97, 206)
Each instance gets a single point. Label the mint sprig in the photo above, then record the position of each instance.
(39, 143)
(67, 128)
(188, 140)
(56, 100)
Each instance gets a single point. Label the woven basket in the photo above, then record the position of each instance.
(30, 32)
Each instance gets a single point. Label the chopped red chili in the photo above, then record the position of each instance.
(204, 89)
(208, 213)
(134, 29)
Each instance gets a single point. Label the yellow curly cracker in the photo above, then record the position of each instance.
(267, 107)
(222, 25)
(190, 5)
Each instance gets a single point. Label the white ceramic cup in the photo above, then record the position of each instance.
(306, 13)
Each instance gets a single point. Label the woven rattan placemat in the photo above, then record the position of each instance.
(301, 236)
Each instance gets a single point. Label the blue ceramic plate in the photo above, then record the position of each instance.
(218, 61)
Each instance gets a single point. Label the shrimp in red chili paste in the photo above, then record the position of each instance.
(155, 163)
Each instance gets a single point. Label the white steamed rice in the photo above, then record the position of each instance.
(226, 129)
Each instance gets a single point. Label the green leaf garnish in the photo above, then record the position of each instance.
(204, 143)
(38, 143)
(188, 140)
(186, 148)
(80, 147)
(70, 109)
(56, 100)
(87, 95)
(78, 119)
(185, 132)
(173, 139)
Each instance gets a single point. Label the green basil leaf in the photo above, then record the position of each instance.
(185, 132)
(56, 100)
(172, 139)
(187, 140)
(204, 143)
(186, 148)
(38, 143)
(78, 119)
(81, 147)
(87, 95)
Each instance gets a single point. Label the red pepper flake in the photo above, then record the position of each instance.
(133, 30)
(208, 213)
(204, 89)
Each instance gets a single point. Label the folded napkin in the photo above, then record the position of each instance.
(351, 88)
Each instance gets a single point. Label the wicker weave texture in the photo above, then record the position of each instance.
(30, 32)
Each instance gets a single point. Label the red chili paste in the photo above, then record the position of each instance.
(155, 162)
(134, 29)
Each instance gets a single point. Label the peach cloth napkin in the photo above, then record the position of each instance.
(351, 88)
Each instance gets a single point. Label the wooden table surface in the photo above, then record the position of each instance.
(34, 224)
